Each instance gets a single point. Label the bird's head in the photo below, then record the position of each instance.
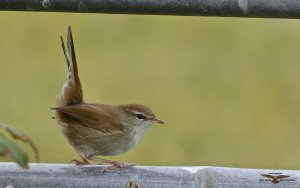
(138, 115)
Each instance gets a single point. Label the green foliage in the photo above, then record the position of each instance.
(9, 148)
(16, 134)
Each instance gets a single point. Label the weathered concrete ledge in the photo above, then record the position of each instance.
(67, 175)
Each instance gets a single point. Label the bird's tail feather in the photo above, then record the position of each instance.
(71, 91)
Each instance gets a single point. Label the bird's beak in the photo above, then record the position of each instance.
(158, 121)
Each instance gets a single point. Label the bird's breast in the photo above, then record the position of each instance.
(90, 142)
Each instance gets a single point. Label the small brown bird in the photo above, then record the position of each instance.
(275, 179)
(98, 129)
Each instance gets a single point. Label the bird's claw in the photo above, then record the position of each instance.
(117, 165)
(77, 162)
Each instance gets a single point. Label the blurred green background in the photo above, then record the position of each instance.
(227, 88)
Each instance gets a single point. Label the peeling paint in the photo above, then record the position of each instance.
(82, 6)
(243, 4)
(133, 184)
(46, 3)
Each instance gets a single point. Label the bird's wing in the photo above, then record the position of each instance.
(268, 176)
(92, 116)
(282, 176)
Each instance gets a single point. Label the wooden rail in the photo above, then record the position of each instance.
(67, 175)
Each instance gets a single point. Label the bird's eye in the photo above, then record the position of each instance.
(140, 116)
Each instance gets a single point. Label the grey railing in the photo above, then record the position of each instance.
(233, 8)
(67, 175)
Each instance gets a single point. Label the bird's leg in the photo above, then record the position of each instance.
(83, 162)
(114, 164)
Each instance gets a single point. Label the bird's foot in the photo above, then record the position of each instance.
(117, 165)
(83, 162)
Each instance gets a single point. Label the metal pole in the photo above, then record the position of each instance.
(71, 176)
(226, 8)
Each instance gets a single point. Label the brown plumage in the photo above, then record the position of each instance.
(98, 129)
